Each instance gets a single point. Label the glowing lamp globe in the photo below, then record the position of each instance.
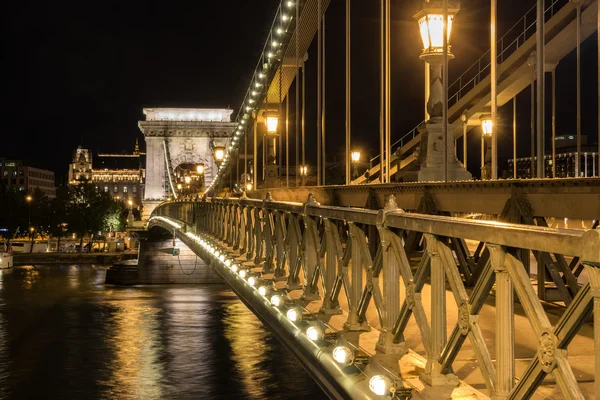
(343, 355)
(355, 156)
(200, 168)
(219, 153)
(380, 385)
(314, 333)
(431, 26)
(294, 314)
(271, 121)
(487, 126)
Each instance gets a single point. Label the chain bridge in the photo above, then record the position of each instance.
(415, 274)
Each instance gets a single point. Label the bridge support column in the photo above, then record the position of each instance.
(432, 156)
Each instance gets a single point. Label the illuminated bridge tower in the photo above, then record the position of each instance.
(179, 139)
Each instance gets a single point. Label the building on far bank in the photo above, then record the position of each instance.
(15, 175)
(566, 152)
(121, 175)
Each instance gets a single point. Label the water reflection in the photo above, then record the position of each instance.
(71, 336)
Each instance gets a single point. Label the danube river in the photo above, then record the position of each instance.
(66, 335)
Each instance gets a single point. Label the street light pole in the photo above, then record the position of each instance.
(348, 92)
(494, 87)
(445, 85)
(540, 62)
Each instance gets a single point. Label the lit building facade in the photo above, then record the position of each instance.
(566, 153)
(15, 175)
(120, 175)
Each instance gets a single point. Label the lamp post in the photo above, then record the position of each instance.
(130, 214)
(303, 173)
(28, 199)
(487, 129)
(355, 155)
(271, 119)
(439, 161)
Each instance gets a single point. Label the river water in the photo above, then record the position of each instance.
(64, 334)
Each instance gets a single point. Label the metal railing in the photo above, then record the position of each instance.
(321, 249)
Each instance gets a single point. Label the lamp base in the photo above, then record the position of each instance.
(431, 156)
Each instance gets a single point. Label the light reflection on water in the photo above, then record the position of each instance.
(64, 334)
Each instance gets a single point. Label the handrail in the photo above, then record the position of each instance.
(405, 253)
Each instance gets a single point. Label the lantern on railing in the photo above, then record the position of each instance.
(355, 156)
(303, 170)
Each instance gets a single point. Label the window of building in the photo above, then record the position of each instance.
(105, 189)
(135, 189)
(116, 189)
(124, 189)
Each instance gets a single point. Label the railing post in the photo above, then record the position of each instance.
(505, 329)
(311, 253)
(280, 239)
(593, 271)
(433, 375)
(330, 304)
(357, 247)
(391, 285)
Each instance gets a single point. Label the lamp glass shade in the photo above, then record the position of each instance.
(271, 124)
(432, 31)
(355, 156)
(487, 126)
(219, 153)
(187, 180)
(200, 168)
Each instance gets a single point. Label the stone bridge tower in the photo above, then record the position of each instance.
(176, 137)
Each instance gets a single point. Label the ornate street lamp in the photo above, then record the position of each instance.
(219, 154)
(355, 155)
(487, 129)
(271, 121)
(487, 126)
(438, 162)
(431, 25)
(179, 186)
(200, 169)
(187, 180)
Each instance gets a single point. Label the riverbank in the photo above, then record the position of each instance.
(73, 258)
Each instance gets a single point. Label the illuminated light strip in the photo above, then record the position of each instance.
(168, 221)
(378, 384)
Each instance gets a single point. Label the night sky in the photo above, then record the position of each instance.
(80, 72)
